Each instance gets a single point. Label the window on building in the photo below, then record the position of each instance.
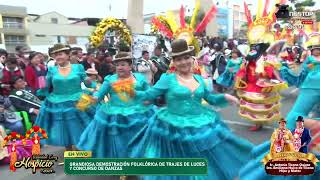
(243, 24)
(59, 39)
(236, 7)
(40, 35)
(82, 40)
(54, 20)
(236, 24)
(243, 16)
(12, 39)
(72, 40)
(12, 22)
(236, 15)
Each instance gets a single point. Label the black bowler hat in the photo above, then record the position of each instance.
(180, 47)
(300, 119)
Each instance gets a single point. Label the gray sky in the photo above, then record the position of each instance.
(93, 8)
(100, 8)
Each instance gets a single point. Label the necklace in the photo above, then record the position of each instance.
(64, 67)
(127, 78)
(186, 80)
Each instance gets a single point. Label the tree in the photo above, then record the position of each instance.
(301, 6)
(123, 46)
(318, 16)
(199, 18)
(188, 19)
(244, 26)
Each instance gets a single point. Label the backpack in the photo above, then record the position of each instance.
(220, 65)
(137, 63)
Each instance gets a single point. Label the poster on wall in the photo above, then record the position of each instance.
(141, 43)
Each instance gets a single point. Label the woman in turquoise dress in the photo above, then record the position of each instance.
(95, 84)
(226, 79)
(122, 117)
(187, 129)
(58, 115)
(309, 96)
(308, 82)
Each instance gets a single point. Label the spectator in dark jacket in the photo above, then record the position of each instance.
(23, 53)
(9, 119)
(106, 68)
(89, 62)
(158, 61)
(218, 64)
(11, 69)
(23, 99)
(35, 72)
(78, 51)
(3, 57)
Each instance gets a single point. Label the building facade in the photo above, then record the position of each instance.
(40, 31)
(236, 17)
(222, 19)
(51, 28)
(13, 27)
(239, 19)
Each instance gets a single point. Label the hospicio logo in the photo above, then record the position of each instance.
(28, 147)
(43, 162)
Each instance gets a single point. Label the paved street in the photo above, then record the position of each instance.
(239, 126)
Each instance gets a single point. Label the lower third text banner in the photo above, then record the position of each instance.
(136, 166)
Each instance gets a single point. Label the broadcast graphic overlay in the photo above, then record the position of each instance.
(25, 151)
(82, 163)
(289, 152)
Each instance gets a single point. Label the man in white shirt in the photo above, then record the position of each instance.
(146, 67)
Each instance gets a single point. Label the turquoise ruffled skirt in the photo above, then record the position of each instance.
(63, 122)
(254, 169)
(291, 78)
(226, 79)
(108, 135)
(225, 151)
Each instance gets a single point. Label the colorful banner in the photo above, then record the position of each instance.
(135, 166)
(292, 156)
(143, 43)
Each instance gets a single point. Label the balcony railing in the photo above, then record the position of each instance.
(15, 42)
(8, 25)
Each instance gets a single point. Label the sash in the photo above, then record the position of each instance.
(27, 97)
(297, 139)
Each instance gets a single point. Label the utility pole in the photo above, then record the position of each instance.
(135, 18)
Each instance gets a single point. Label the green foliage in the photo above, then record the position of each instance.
(199, 18)
(188, 19)
(123, 46)
(301, 6)
(244, 25)
(318, 16)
